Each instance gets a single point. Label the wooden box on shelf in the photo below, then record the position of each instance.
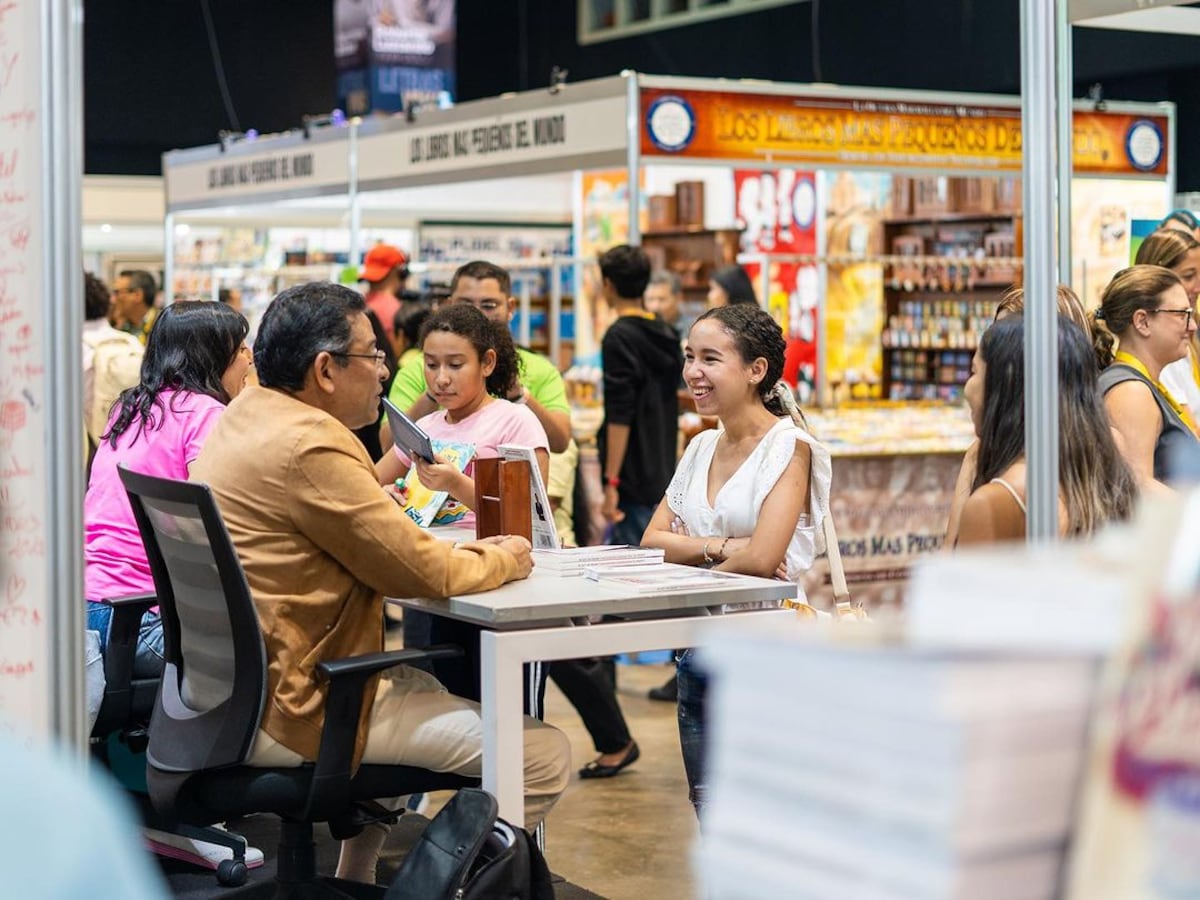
(662, 211)
(902, 195)
(1008, 195)
(931, 195)
(973, 195)
(692, 253)
(689, 203)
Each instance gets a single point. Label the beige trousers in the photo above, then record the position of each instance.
(416, 722)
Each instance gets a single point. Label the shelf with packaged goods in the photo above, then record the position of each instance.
(943, 274)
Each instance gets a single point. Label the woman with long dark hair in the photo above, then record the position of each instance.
(196, 362)
(1095, 485)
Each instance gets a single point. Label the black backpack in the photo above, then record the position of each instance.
(466, 853)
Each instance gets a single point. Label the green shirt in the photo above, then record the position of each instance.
(538, 374)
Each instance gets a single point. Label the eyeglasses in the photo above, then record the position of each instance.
(379, 356)
(1186, 312)
(481, 305)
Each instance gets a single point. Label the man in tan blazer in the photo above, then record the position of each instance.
(322, 544)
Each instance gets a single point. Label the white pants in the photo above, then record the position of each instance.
(416, 722)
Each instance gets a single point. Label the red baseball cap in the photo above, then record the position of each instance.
(380, 260)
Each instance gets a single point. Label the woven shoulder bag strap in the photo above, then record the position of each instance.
(842, 603)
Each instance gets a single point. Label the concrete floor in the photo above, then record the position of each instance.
(629, 836)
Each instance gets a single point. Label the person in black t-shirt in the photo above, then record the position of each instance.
(642, 363)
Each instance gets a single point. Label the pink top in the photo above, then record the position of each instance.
(493, 424)
(385, 306)
(114, 559)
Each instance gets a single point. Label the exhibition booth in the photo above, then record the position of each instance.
(880, 227)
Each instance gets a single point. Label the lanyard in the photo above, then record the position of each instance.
(1136, 364)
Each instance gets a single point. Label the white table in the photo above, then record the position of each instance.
(547, 617)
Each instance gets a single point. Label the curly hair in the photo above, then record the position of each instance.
(755, 334)
(96, 298)
(189, 348)
(483, 334)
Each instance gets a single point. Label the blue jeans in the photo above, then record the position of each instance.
(630, 529)
(693, 687)
(148, 662)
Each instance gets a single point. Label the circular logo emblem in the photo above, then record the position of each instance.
(1144, 145)
(804, 203)
(671, 123)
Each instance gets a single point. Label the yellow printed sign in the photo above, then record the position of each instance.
(878, 133)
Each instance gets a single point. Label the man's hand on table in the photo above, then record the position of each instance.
(518, 546)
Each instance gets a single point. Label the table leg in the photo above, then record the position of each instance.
(503, 725)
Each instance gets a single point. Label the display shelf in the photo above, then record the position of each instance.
(888, 429)
(943, 275)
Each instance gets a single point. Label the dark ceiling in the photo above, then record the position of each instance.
(150, 82)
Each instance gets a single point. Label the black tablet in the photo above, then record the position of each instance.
(407, 434)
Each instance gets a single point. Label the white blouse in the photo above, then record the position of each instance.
(739, 500)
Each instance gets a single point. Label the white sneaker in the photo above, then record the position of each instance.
(200, 853)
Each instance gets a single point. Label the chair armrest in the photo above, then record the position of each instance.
(371, 663)
(120, 650)
(343, 703)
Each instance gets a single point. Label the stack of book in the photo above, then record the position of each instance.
(575, 560)
(888, 772)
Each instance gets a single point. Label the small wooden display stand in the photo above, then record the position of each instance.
(502, 502)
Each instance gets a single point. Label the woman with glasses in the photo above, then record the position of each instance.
(1147, 309)
(1180, 252)
(196, 361)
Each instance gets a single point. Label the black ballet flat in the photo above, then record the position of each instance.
(595, 770)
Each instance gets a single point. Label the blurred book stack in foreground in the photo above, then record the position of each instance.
(889, 772)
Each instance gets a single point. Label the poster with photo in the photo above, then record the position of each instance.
(777, 211)
(393, 54)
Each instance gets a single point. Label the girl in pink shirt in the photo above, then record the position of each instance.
(196, 361)
(469, 362)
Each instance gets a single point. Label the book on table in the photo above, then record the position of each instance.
(659, 579)
(573, 560)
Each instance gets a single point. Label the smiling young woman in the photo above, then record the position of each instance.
(749, 497)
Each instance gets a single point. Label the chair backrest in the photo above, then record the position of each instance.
(215, 674)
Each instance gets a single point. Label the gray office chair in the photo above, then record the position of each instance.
(213, 691)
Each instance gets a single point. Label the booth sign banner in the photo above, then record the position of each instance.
(889, 511)
(862, 132)
(556, 132)
(298, 166)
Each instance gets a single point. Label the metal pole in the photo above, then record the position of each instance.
(62, 127)
(822, 396)
(764, 286)
(1064, 82)
(355, 202)
(1039, 138)
(168, 258)
(633, 155)
(554, 325)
